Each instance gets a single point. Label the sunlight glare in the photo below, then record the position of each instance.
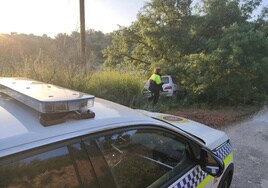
(52, 17)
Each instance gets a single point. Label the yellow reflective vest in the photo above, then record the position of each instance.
(156, 78)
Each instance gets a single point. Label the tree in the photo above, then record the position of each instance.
(235, 71)
(218, 54)
(248, 6)
(19, 50)
(158, 37)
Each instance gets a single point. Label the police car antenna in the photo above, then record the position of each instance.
(55, 103)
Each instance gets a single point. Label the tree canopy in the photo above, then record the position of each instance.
(217, 49)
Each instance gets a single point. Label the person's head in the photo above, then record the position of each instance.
(157, 70)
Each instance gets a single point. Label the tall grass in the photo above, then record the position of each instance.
(118, 86)
(121, 87)
(124, 87)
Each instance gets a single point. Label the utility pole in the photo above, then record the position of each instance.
(82, 32)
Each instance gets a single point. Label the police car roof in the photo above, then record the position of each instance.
(21, 129)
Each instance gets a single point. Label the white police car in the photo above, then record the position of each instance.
(50, 138)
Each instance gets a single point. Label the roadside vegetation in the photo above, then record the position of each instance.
(217, 50)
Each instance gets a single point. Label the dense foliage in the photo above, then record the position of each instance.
(216, 50)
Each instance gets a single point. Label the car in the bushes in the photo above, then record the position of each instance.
(170, 87)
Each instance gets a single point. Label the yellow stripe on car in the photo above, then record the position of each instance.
(228, 159)
(205, 181)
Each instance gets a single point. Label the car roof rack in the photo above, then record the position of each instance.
(55, 104)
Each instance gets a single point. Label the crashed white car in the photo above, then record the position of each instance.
(56, 137)
(170, 87)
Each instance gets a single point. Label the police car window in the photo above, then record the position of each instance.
(144, 157)
(55, 168)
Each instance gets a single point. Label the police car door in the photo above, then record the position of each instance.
(149, 156)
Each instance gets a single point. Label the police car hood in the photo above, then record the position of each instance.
(212, 138)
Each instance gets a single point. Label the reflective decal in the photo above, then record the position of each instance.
(196, 177)
(224, 151)
(170, 118)
(193, 178)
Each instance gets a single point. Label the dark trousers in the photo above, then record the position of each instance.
(154, 96)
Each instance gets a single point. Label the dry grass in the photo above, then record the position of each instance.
(216, 118)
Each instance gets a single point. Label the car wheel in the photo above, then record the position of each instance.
(226, 182)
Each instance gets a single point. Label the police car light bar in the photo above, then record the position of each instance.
(46, 98)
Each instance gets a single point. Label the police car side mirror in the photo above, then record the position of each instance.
(210, 163)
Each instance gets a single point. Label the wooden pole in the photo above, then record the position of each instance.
(82, 32)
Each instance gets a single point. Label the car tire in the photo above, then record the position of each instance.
(227, 178)
(226, 182)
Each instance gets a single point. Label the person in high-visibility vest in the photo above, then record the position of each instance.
(155, 85)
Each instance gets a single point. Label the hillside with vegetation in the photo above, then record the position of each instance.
(217, 50)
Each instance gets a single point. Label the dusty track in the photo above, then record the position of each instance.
(250, 143)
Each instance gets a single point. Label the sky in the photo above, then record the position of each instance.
(51, 17)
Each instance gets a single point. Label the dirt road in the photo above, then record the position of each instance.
(250, 144)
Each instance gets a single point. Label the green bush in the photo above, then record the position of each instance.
(121, 87)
